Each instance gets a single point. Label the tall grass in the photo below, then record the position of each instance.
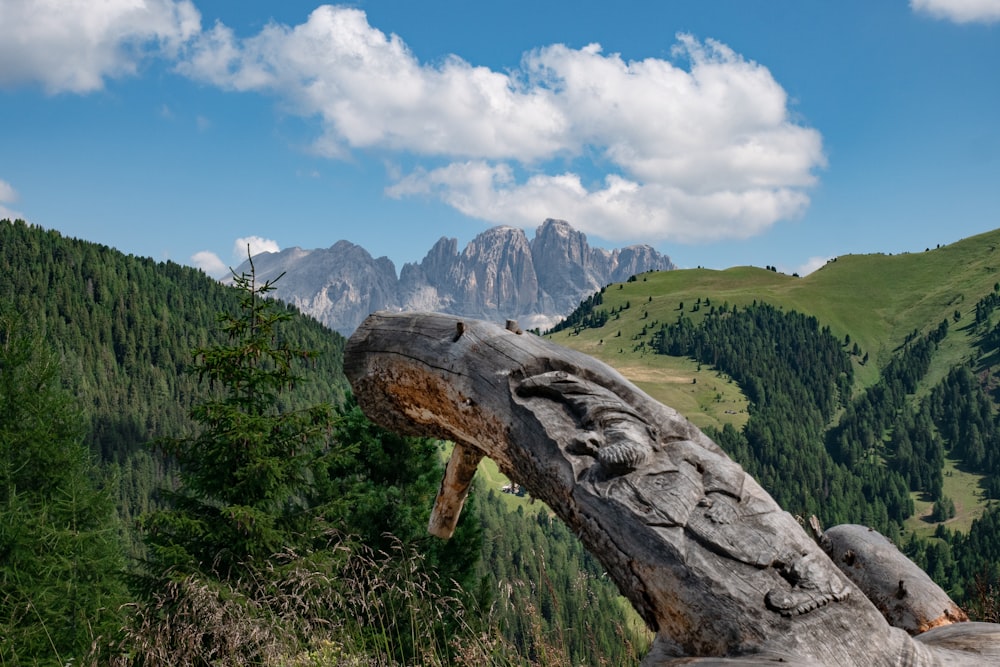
(362, 608)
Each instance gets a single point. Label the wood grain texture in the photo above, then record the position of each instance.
(704, 554)
(905, 595)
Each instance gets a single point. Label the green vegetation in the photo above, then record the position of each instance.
(281, 527)
(878, 300)
(124, 328)
(248, 478)
(323, 559)
(912, 433)
(547, 588)
(60, 554)
(270, 514)
(963, 488)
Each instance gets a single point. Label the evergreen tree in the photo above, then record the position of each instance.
(61, 559)
(124, 328)
(392, 481)
(246, 478)
(275, 509)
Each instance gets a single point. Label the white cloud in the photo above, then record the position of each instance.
(960, 11)
(812, 264)
(620, 209)
(370, 91)
(685, 153)
(210, 263)
(256, 244)
(74, 45)
(8, 195)
(7, 192)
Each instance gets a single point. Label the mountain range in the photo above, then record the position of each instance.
(500, 274)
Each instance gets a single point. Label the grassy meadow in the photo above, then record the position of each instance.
(876, 301)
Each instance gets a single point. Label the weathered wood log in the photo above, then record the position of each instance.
(704, 554)
(905, 595)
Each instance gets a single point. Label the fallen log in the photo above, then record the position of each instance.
(708, 559)
(901, 591)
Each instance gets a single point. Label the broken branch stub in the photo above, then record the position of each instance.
(703, 553)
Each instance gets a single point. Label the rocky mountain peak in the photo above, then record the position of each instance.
(565, 258)
(500, 274)
(497, 272)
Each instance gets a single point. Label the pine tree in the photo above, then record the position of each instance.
(254, 556)
(61, 558)
(246, 478)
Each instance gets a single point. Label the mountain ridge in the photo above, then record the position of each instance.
(500, 274)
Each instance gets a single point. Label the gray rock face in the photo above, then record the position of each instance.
(340, 284)
(500, 274)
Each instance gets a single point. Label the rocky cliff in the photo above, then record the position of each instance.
(500, 274)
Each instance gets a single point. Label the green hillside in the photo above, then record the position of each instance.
(877, 300)
(909, 434)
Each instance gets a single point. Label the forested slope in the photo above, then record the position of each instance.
(868, 387)
(122, 330)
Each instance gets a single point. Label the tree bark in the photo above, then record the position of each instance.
(719, 571)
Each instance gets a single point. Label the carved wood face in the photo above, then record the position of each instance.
(703, 553)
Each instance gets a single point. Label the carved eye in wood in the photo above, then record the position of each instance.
(587, 444)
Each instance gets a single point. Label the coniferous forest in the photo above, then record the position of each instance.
(186, 480)
(854, 459)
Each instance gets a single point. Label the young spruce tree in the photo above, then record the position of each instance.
(278, 531)
(246, 488)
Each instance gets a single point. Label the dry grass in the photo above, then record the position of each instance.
(985, 606)
(369, 609)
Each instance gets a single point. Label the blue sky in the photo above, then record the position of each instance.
(721, 132)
